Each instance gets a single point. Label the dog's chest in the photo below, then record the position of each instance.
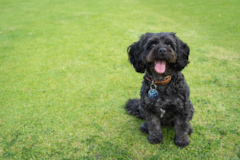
(161, 103)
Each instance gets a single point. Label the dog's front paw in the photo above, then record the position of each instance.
(155, 139)
(181, 142)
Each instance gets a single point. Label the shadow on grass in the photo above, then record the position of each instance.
(104, 149)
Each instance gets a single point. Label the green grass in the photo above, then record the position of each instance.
(65, 77)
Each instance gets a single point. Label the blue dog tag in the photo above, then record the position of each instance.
(152, 93)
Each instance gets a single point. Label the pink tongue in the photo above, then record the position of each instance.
(160, 66)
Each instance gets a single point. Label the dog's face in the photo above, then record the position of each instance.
(158, 53)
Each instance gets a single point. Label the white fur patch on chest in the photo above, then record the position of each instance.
(162, 112)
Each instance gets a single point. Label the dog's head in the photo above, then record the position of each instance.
(159, 53)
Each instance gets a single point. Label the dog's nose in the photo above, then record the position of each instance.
(162, 51)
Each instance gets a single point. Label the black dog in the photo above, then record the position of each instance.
(164, 93)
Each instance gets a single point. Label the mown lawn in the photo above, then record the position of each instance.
(65, 77)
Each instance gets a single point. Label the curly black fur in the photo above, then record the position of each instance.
(173, 97)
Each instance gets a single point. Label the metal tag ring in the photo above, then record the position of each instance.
(151, 86)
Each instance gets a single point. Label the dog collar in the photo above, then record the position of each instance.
(163, 82)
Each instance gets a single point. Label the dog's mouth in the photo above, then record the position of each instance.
(160, 63)
(160, 66)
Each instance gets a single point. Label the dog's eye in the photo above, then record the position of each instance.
(169, 45)
(153, 45)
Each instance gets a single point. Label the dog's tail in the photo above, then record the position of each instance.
(132, 106)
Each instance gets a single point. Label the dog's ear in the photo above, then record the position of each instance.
(135, 53)
(183, 52)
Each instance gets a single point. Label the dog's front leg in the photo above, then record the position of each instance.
(154, 128)
(181, 129)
